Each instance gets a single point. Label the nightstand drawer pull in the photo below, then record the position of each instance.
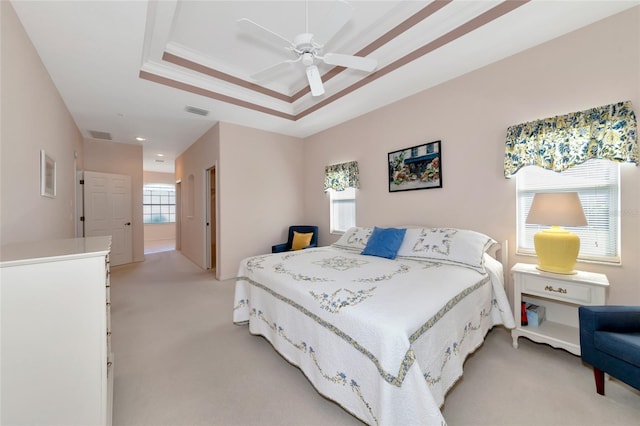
(559, 290)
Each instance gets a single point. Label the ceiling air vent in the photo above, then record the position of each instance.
(100, 135)
(159, 161)
(198, 111)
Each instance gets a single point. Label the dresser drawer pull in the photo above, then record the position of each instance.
(559, 290)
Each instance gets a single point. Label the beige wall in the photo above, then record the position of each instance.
(34, 117)
(159, 231)
(591, 67)
(158, 177)
(122, 159)
(261, 184)
(260, 180)
(195, 161)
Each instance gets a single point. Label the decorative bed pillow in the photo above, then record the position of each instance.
(449, 245)
(354, 239)
(301, 240)
(384, 242)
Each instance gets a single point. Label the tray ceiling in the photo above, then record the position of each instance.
(132, 68)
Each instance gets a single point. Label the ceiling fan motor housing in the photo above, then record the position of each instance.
(305, 47)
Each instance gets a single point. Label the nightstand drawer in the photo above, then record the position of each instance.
(557, 289)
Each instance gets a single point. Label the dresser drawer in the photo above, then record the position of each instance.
(557, 289)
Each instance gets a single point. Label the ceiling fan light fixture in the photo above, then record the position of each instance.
(307, 59)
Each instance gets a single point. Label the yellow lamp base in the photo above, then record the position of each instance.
(557, 250)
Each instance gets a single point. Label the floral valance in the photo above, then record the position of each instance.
(608, 132)
(341, 176)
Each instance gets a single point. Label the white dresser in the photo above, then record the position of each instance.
(56, 364)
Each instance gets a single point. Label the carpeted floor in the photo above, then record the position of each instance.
(179, 360)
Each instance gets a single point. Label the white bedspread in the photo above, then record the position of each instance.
(383, 338)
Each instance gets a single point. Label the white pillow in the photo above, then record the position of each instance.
(354, 239)
(449, 245)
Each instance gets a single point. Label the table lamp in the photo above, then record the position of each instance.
(557, 249)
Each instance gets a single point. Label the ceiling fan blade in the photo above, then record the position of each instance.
(273, 70)
(337, 17)
(348, 61)
(257, 30)
(315, 82)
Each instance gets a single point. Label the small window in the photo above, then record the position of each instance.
(343, 210)
(159, 203)
(597, 184)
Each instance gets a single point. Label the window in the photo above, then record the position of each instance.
(343, 209)
(159, 203)
(597, 183)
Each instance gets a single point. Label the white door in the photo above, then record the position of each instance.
(107, 211)
(79, 205)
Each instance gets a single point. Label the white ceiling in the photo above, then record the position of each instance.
(130, 68)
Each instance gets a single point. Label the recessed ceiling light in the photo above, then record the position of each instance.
(160, 155)
(140, 139)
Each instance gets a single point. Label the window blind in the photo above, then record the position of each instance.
(343, 209)
(597, 184)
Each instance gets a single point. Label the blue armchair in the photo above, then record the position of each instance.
(610, 342)
(300, 229)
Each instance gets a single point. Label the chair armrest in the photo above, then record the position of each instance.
(278, 248)
(623, 319)
(604, 318)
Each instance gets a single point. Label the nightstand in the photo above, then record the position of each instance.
(561, 295)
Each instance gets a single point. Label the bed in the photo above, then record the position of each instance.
(384, 334)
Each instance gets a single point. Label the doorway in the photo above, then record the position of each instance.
(211, 223)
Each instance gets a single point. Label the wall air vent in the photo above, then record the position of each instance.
(100, 135)
(197, 111)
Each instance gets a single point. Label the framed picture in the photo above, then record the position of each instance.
(418, 167)
(47, 175)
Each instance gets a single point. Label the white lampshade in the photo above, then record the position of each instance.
(556, 208)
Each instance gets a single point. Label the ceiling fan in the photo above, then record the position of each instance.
(308, 49)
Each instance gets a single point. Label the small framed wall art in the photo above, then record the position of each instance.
(47, 175)
(418, 167)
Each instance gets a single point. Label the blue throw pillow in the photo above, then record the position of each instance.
(384, 242)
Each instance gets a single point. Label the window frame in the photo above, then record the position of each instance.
(574, 179)
(336, 197)
(163, 190)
